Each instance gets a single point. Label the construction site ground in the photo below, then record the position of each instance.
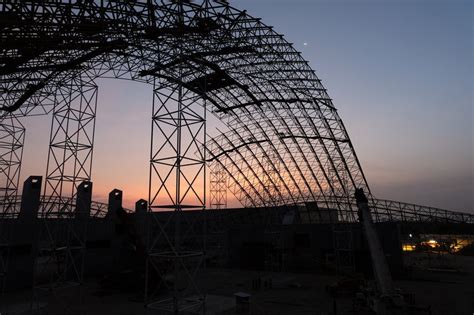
(436, 282)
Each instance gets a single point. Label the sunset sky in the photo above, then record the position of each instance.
(400, 73)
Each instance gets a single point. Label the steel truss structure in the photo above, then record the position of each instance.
(12, 137)
(284, 141)
(217, 187)
(61, 247)
(273, 104)
(177, 183)
(71, 139)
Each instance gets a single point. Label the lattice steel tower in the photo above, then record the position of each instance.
(217, 187)
(282, 141)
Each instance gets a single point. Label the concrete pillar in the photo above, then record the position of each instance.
(25, 236)
(30, 198)
(117, 237)
(83, 200)
(141, 207)
(115, 202)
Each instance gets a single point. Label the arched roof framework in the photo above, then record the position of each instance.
(284, 143)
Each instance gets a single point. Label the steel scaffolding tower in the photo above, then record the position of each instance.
(177, 184)
(217, 187)
(71, 140)
(12, 137)
(271, 178)
(62, 236)
(343, 244)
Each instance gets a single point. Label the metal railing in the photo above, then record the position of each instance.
(382, 210)
(50, 207)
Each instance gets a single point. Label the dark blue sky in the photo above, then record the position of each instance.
(400, 73)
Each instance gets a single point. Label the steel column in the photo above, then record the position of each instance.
(177, 183)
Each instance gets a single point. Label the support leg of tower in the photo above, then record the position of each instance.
(12, 136)
(66, 201)
(177, 184)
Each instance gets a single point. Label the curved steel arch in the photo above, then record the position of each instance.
(284, 141)
(274, 105)
(257, 83)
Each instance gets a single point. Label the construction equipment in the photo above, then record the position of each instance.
(386, 299)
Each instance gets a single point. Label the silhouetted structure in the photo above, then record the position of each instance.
(285, 144)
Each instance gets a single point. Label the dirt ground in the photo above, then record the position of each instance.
(446, 284)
